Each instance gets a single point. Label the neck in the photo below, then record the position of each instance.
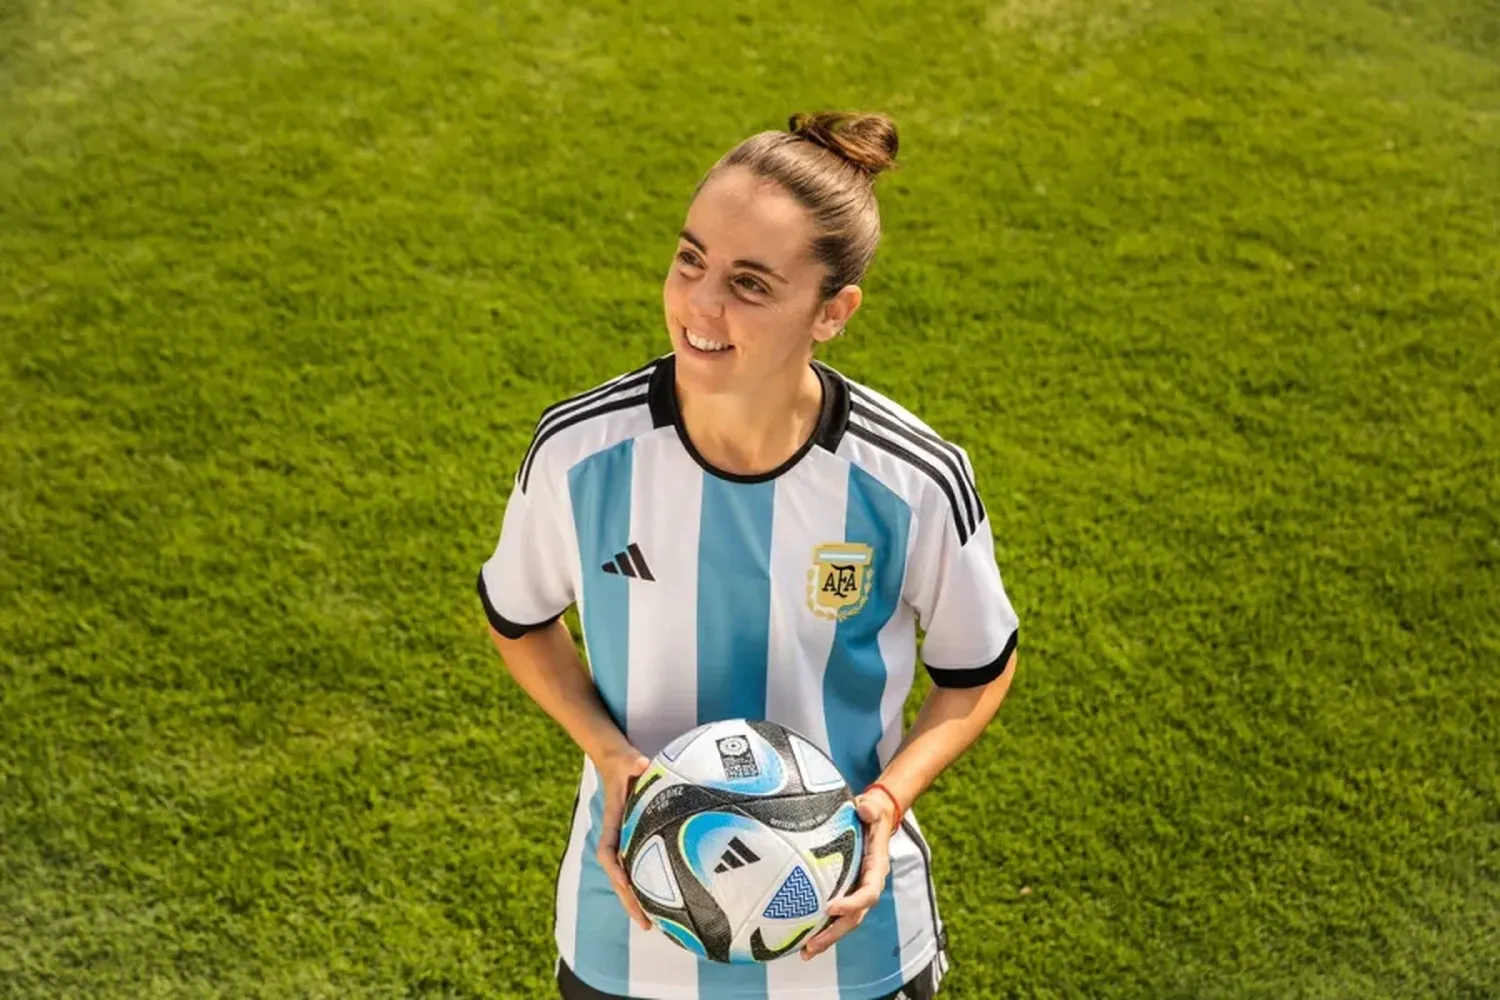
(754, 432)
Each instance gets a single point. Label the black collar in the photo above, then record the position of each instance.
(833, 418)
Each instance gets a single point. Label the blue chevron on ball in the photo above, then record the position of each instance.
(737, 837)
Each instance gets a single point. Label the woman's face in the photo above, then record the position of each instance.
(741, 298)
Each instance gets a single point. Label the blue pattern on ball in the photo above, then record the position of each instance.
(795, 899)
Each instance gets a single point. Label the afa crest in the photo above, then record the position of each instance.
(838, 585)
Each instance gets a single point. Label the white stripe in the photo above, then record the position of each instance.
(565, 929)
(662, 692)
(835, 555)
(933, 908)
(659, 968)
(811, 501)
(810, 505)
(898, 648)
(917, 935)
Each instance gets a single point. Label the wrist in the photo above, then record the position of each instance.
(881, 791)
(609, 749)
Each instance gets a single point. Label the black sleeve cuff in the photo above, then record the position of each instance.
(503, 625)
(970, 677)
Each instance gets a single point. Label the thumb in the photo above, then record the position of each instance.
(633, 771)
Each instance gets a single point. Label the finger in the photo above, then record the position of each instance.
(621, 884)
(829, 936)
(874, 811)
(876, 868)
(609, 842)
(871, 885)
(609, 834)
(633, 907)
(878, 851)
(866, 891)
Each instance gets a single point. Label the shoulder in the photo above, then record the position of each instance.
(572, 429)
(930, 472)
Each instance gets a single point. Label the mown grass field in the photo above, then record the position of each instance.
(1209, 290)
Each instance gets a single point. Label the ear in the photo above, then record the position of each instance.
(834, 314)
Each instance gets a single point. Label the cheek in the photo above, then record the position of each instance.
(674, 291)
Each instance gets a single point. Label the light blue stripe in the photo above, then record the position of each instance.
(734, 635)
(734, 598)
(600, 487)
(852, 689)
(601, 951)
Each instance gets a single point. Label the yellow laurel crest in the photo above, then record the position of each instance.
(838, 585)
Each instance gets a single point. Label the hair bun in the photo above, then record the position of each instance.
(868, 141)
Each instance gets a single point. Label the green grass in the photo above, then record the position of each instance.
(1208, 290)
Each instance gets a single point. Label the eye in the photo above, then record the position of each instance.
(751, 284)
(687, 257)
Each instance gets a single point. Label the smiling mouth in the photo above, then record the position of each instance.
(704, 344)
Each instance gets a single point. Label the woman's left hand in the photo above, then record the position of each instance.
(879, 815)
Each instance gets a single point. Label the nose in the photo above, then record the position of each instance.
(705, 299)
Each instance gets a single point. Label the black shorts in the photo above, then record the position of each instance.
(923, 986)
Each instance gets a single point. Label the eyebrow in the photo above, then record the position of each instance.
(753, 265)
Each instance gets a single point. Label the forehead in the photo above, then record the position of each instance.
(740, 215)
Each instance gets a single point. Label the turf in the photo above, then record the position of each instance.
(1208, 290)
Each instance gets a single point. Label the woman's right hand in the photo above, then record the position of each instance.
(618, 772)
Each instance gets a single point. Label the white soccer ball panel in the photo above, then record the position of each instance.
(790, 911)
(733, 757)
(652, 875)
(819, 773)
(737, 859)
(674, 749)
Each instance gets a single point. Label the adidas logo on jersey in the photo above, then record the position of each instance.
(736, 856)
(629, 563)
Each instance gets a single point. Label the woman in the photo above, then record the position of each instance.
(751, 534)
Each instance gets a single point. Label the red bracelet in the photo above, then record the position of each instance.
(900, 812)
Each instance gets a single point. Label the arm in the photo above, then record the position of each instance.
(546, 664)
(949, 722)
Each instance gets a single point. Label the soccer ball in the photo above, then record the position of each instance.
(736, 839)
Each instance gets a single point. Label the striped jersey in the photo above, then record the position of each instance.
(793, 596)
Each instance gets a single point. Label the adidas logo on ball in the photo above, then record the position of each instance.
(737, 855)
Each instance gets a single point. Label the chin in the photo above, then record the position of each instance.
(699, 376)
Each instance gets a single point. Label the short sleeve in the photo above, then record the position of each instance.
(955, 587)
(528, 581)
